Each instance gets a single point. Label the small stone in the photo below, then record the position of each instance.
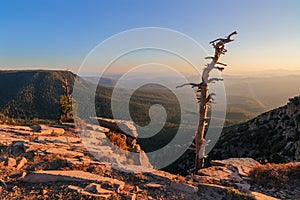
(11, 162)
(44, 192)
(133, 197)
(2, 163)
(137, 189)
(36, 128)
(22, 162)
(129, 196)
(96, 189)
(153, 185)
(120, 188)
(3, 183)
(23, 174)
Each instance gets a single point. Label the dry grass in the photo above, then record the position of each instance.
(233, 194)
(118, 140)
(274, 175)
(180, 178)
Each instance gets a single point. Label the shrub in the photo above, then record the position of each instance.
(274, 175)
(118, 140)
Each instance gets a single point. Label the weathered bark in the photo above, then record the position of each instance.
(203, 108)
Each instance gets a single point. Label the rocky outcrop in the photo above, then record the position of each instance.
(123, 126)
(233, 171)
(115, 147)
(49, 162)
(273, 136)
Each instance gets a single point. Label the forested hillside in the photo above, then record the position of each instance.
(32, 94)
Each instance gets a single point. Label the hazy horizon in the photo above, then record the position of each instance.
(60, 34)
(251, 73)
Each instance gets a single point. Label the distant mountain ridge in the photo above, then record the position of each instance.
(273, 135)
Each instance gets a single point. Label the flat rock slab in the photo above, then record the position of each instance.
(243, 165)
(76, 176)
(97, 189)
(127, 127)
(58, 139)
(161, 175)
(64, 152)
(219, 173)
(8, 138)
(10, 127)
(87, 193)
(131, 169)
(26, 130)
(249, 162)
(183, 187)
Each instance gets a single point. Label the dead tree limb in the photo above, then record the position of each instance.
(221, 64)
(192, 84)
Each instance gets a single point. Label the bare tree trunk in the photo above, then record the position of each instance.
(203, 108)
(204, 98)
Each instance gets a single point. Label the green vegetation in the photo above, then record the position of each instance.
(65, 108)
(32, 94)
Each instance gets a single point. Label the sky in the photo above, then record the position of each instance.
(59, 34)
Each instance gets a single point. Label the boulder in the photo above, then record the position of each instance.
(16, 147)
(36, 128)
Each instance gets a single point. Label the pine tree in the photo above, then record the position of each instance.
(66, 101)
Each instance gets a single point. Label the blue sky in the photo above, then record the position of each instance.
(55, 34)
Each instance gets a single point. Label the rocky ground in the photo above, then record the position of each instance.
(44, 162)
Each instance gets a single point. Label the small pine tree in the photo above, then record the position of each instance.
(66, 101)
(65, 107)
